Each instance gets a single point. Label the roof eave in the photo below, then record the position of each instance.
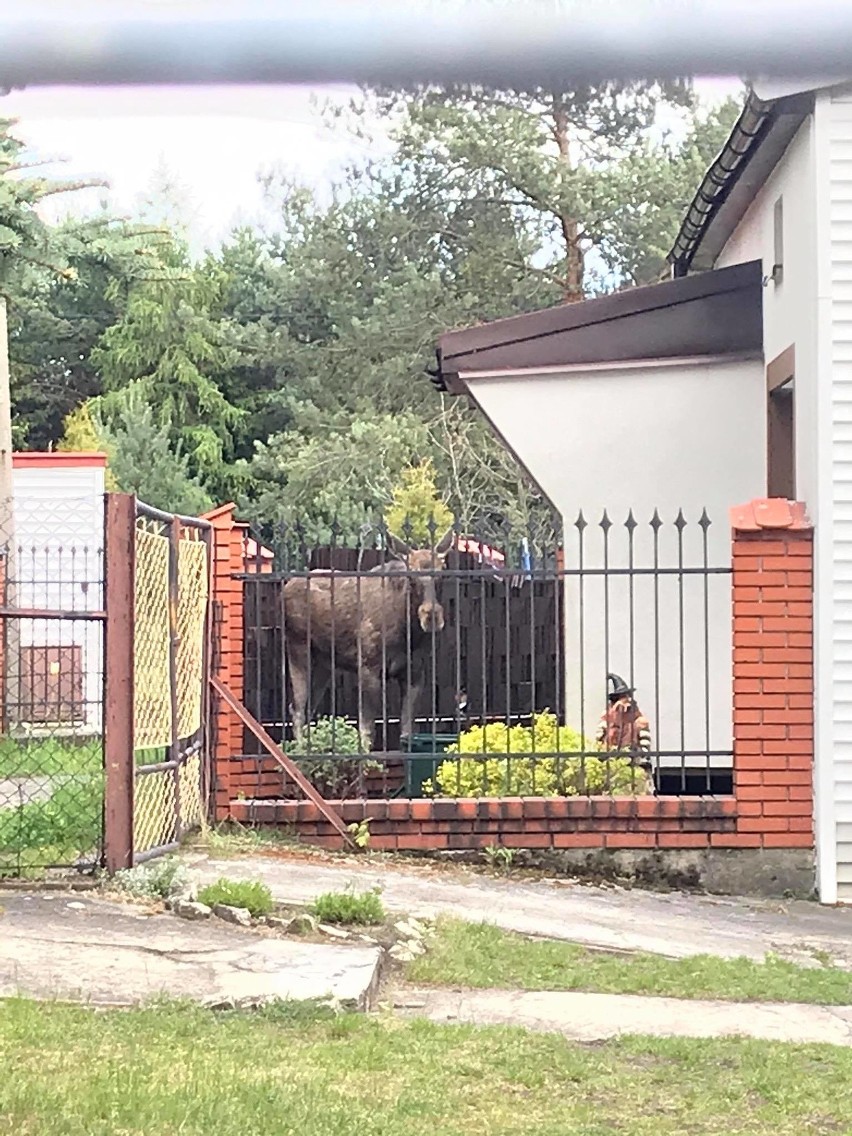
(754, 147)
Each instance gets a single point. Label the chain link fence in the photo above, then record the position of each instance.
(52, 682)
(170, 649)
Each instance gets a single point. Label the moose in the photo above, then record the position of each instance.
(379, 626)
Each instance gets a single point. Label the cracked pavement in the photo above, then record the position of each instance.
(84, 948)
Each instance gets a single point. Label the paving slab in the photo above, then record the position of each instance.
(61, 946)
(598, 1017)
(673, 925)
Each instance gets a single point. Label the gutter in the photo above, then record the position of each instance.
(749, 130)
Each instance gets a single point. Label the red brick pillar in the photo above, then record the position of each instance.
(228, 562)
(773, 675)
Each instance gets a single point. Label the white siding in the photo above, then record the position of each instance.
(839, 279)
(789, 308)
(799, 312)
(685, 435)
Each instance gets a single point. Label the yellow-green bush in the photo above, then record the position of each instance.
(566, 773)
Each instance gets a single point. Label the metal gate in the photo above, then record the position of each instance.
(171, 670)
(51, 680)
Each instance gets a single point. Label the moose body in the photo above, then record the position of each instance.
(378, 626)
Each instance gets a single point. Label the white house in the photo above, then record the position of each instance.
(54, 673)
(731, 381)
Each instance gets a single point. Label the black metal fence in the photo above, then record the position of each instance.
(52, 682)
(483, 671)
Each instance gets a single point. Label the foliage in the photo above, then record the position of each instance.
(170, 345)
(330, 775)
(144, 458)
(530, 776)
(58, 830)
(570, 166)
(334, 476)
(25, 239)
(253, 895)
(364, 908)
(360, 832)
(80, 435)
(482, 956)
(49, 757)
(157, 880)
(287, 370)
(180, 1068)
(416, 512)
(498, 856)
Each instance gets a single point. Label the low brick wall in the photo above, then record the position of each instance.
(516, 822)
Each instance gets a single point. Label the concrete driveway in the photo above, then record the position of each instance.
(675, 925)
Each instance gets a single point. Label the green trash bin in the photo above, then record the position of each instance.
(422, 768)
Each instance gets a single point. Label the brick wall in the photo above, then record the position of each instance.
(773, 675)
(519, 822)
(228, 653)
(772, 805)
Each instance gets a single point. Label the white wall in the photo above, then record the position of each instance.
(678, 435)
(789, 308)
(58, 558)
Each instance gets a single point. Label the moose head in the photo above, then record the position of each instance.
(425, 564)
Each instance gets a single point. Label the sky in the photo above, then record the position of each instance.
(212, 142)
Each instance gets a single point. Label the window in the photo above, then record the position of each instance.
(778, 242)
(781, 426)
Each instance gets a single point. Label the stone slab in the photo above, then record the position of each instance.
(59, 946)
(598, 1017)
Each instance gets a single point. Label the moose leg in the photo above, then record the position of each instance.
(369, 701)
(411, 696)
(297, 660)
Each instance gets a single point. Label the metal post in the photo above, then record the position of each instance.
(10, 676)
(174, 745)
(119, 587)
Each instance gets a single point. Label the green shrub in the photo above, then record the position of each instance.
(528, 775)
(331, 776)
(157, 880)
(66, 825)
(348, 907)
(253, 895)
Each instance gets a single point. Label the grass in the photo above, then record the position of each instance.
(364, 908)
(35, 833)
(171, 1069)
(234, 839)
(481, 956)
(253, 895)
(49, 757)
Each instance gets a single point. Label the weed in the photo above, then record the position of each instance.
(360, 831)
(157, 880)
(253, 895)
(499, 856)
(350, 907)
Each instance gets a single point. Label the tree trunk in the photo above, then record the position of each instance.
(573, 279)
